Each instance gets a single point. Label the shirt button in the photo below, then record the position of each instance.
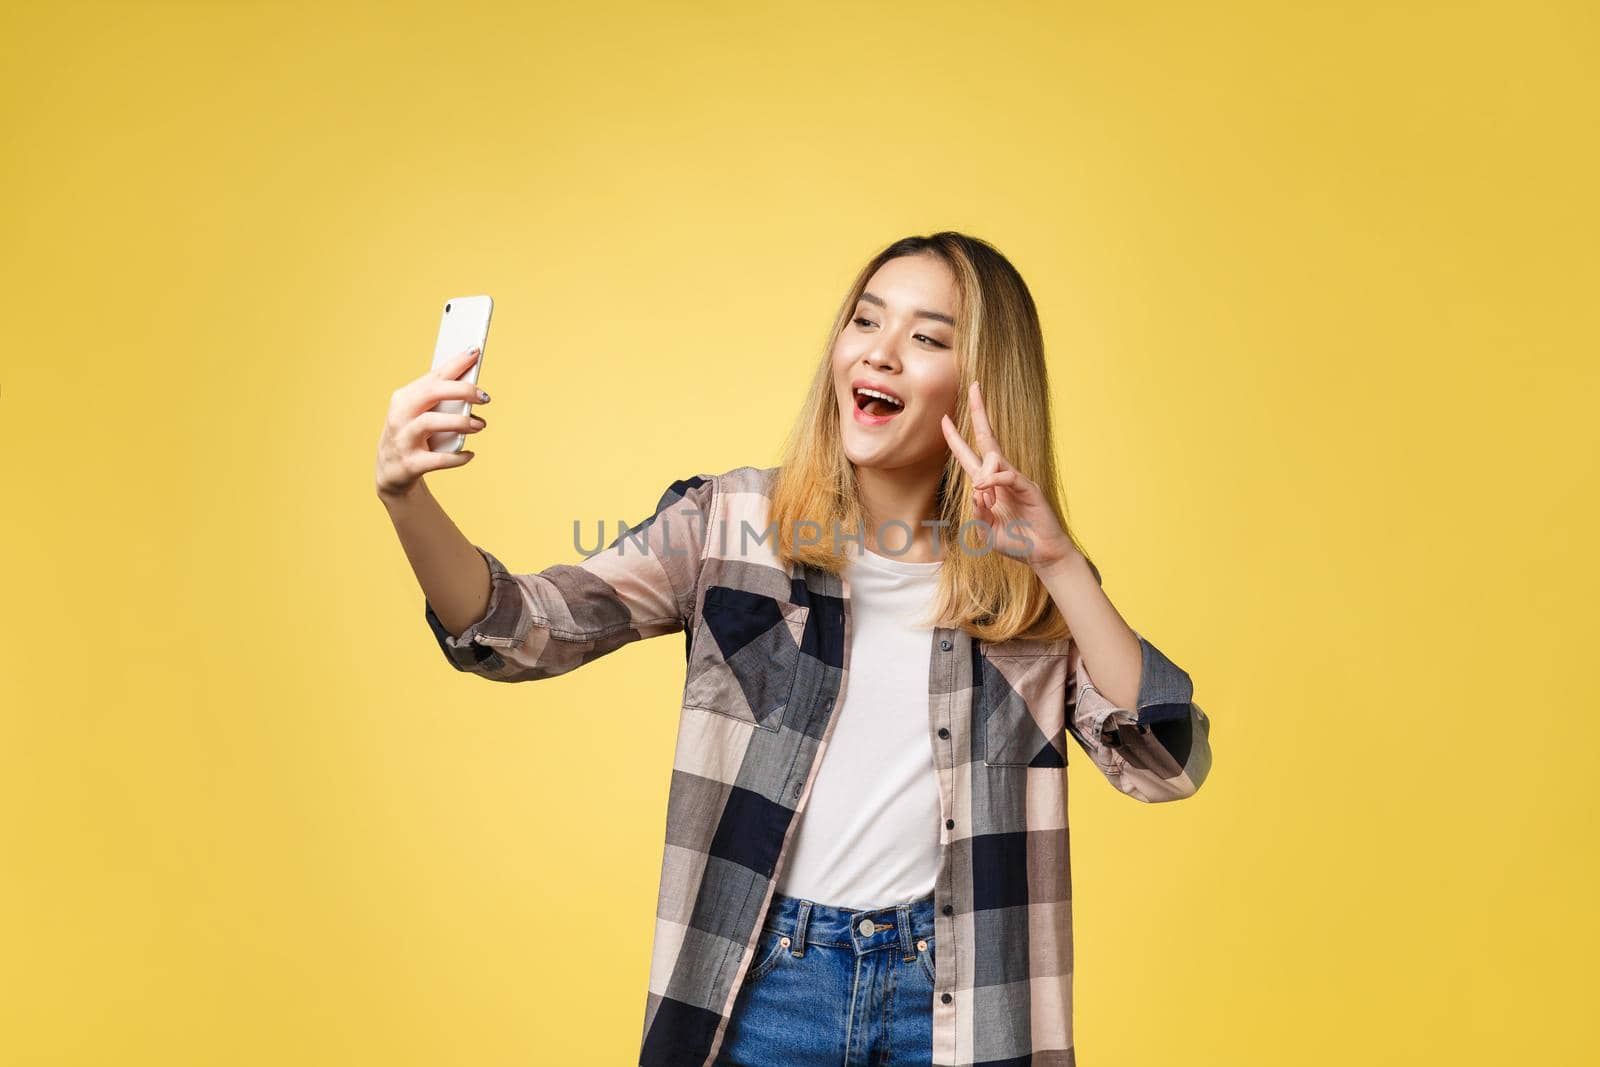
(949, 824)
(795, 792)
(943, 732)
(944, 645)
(945, 997)
(865, 928)
(949, 909)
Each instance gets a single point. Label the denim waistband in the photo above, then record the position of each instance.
(810, 923)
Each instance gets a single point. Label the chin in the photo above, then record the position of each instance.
(863, 459)
(877, 458)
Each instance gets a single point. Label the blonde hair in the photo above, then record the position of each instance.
(999, 343)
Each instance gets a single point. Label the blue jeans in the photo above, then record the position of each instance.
(826, 991)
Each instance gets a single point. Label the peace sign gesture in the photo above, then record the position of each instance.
(1024, 525)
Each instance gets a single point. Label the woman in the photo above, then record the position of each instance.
(909, 606)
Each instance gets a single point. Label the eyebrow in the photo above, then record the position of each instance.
(922, 313)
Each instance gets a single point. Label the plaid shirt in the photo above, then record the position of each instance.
(768, 658)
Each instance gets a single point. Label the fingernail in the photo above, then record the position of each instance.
(473, 351)
(483, 397)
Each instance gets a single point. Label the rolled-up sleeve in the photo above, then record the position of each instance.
(1158, 750)
(545, 623)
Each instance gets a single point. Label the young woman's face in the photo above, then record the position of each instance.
(901, 341)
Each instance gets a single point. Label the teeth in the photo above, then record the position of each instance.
(880, 396)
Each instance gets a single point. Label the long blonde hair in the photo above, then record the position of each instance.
(998, 342)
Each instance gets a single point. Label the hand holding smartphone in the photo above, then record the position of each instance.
(463, 324)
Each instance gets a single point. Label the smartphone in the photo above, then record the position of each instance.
(464, 324)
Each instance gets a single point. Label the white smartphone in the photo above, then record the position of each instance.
(464, 324)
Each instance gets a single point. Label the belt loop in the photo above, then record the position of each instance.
(799, 946)
(908, 952)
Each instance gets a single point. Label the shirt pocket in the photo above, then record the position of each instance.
(744, 656)
(1024, 705)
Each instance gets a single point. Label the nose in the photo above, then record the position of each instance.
(881, 356)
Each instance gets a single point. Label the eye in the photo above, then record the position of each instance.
(930, 340)
(859, 320)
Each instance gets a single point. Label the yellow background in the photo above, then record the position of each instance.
(1318, 287)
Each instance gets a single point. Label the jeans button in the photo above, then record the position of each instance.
(865, 928)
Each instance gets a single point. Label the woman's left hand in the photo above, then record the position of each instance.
(1024, 525)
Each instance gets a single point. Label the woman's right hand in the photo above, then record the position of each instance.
(403, 453)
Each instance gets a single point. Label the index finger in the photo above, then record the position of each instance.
(963, 451)
(456, 366)
(980, 420)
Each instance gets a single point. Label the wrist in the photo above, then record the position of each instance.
(1057, 561)
(393, 498)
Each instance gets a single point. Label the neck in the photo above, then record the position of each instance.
(898, 499)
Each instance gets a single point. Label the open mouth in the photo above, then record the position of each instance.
(877, 404)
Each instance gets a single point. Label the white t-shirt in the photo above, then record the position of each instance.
(869, 835)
